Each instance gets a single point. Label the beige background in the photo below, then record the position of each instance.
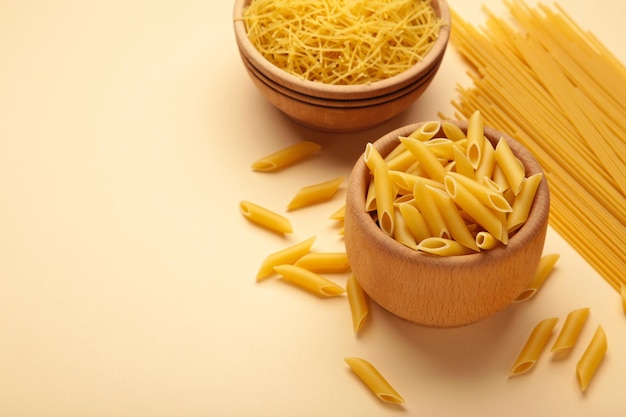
(127, 129)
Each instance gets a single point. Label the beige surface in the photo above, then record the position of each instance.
(127, 274)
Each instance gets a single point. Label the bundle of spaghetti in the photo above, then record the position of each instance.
(561, 93)
(342, 41)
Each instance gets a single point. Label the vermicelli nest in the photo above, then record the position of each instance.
(342, 41)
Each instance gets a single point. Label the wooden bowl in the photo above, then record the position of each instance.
(441, 291)
(340, 108)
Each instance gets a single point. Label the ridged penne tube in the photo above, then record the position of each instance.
(314, 194)
(385, 196)
(452, 131)
(414, 221)
(486, 241)
(358, 303)
(591, 358)
(374, 380)
(455, 224)
(428, 161)
(443, 247)
(325, 262)
(426, 131)
(309, 281)
(370, 197)
(402, 161)
(372, 157)
(442, 148)
(288, 255)
(510, 165)
(523, 201)
(487, 162)
(398, 150)
(427, 206)
(402, 233)
(498, 177)
(475, 138)
(405, 182)
(475, 209)
(463, 165)
(285, 157)
(265, 217)
(571, 329)
(483, 193)
(535, 343)
(544, 268)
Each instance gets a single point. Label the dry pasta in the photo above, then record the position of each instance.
(545, 267)
(374, 380)
(571, 329)
(542, 78)
(591, 358)
(285, 157)
(342, 42)
(314, 194)
(358, 303)
(532, 349)
(287, 255)
(309, 281)
(324, 262)
(265, 217)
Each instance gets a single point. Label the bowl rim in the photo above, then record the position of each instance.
(357, 187)
(343, 92)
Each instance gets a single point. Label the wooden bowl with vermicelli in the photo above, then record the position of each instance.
(438, 291)
(334, 107)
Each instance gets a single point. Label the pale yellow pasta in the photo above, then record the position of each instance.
(309, 280)
(285, 157)
(455, 224)
(372, 157)
(475, 138)
(443, 148)
(443, 247)
(427, 206)
(523, 202)
(486, 241)
(475, 209)
(314, 194)
(324, 262)
(288, 255)
(265, 217)
(498, 177)
(510, 165)
(591, 358)
(370, 198)
(532, 349)
(571, 329)
(358, 303)
(402, 161)
(414, 221)
(544, 268)
(463, 165)
(401, 231)
(487, 162)
(426, 131)
(385, 196)
(485, 194)
(428, 161)
(374, 380)
(340, 214)
(406, 181)
(452, 131)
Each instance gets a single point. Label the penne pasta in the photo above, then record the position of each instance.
(358, 303)
(384, 198)
(288, 255)
(426, 131)
(591, 358)
(485, 194)
(372, 157)
(324, 262)
(428, 161)
(463, 165)
(443, 247)
(452, 131)
(285, 157)
(487, 162)
(571, 329)
(309, 281)
(401, 231)
(455, 224)
(426, 205)
(546, 264)
(374, 380)
(340, 214)
(486, 241)
(523, 201)
(414, 221)
(512, 169)
(314, 194)
(265, 217)
(533, 347)
(475, 138)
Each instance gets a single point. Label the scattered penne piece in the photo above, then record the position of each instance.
(358, 303)
(324, 262)
(533, 347)
(309, 281)
(314, 194)
(265, 217)
(374, 380)
(571, 329)
(545, 267)
(285, 157)
(591, 358)
(288, 255)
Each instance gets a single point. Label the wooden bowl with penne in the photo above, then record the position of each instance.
(352, 80)
(445, 221)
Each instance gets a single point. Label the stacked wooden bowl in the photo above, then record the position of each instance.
(340, 108)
